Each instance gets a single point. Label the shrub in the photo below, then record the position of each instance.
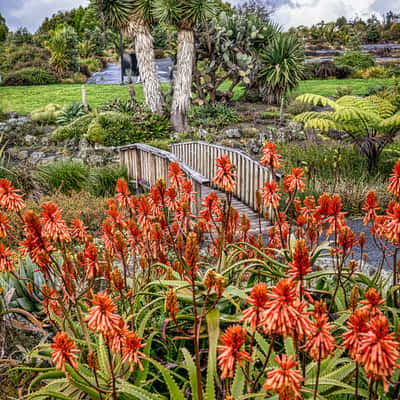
(213, 115)
(75, 129)
(355, 59)
(64, 176)
(29, 77)
(296, 107)
(111, 129)
(47, 114)
(93, 64)
(115, 129)
(372, 73)
(119, 105)
(343, 91)
(102, 181)
(70, 113)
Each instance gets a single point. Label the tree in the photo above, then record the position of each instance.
(282, 66)
(63, 48)
(3, 29)
(184, 14)
(370, 122)
(135, 16)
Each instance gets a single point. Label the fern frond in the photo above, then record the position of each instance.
(316, 100)
(321, 124)
(391, 123)
(357, 102)
(384, 108)
(354, 114)
(306, 116)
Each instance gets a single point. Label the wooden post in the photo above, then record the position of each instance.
(84, 99)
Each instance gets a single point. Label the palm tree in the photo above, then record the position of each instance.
(135, 16)
(184, 14)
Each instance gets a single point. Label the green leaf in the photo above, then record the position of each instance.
(137, 392)
(238, 383)
(213, 335)
(103, 358)
(191, 367)
(174, 391)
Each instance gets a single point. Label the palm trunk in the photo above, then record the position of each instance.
(147, 68)
(183, 80)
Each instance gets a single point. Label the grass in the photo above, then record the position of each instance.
(24, 99)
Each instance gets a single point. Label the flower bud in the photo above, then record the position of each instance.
(354, 297)
(219, 285)
(209, 279)
(171, 303)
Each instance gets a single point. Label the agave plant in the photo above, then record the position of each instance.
(282, 67)
(70, 113)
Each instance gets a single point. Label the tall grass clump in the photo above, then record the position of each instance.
(102, 181)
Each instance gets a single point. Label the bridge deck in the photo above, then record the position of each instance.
(241, 208)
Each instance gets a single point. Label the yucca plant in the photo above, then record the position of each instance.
(370, 123)
(282, 67)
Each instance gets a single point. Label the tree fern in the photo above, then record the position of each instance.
(316, 100)
(384, 108)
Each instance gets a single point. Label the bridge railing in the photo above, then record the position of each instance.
(147, 163)
(201, 156)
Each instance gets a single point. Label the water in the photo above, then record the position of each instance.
(111, 75)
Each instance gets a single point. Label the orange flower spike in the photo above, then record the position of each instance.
(346, 239)
(356, 324)
(131, 344)
(4, 225)
(171, 303)
(10, 199)
(284, 380)
(64, 351)
(175, 174)
(192, 252)
(373, 300)
(7, 259)
(225, 177)
(53, 226)
(258, 300)
(284, 313)
(270, 157)
(301, 264)
(78, 230)
(370, 207)
(378, 351)
(232, 341)
(320, 342)
(122, 193)
(102, 317)
(393, 223)
(294, 182)
(271, 194)
(394, 186)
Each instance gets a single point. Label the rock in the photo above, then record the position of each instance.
(232, 133)
(250, 132)
(29, 140)
(48, 159)
(22, 155)
(36, 156)
(203, 134)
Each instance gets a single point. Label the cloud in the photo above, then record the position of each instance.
(30, 13)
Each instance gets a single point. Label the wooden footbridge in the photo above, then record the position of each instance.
(198, 162)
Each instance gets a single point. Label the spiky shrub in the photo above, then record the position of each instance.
(70, 113)
(170, 283)
(282, 67)
(63, 48)
(370, 122)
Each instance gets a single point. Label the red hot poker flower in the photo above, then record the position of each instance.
(78, 230)
(54, 227)
(102, 317)
(294, 182)
(4, 225)
(271, 194)
(379, 350)
(7, 259)
(131, 344)
(10, 199)
(64, 351)
(232, 340)
(284, 312)
(357, 324)
(285, 380)
(301, 264)
(258, 300)
(320, 342)
(225, 178)
(270, 157)
(122, 193)
(370, 207)
(394, 186)
(373, 300)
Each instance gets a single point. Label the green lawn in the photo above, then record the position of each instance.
(24, 99)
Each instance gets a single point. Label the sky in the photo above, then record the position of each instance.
(30, 13)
